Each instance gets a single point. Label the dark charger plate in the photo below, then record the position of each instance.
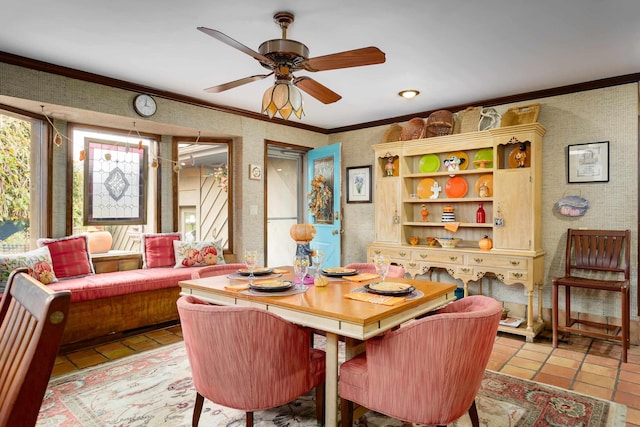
(388, 293)
(261, 271)
(340, 273)
(286, 285)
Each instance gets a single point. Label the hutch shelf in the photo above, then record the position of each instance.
(497, 170)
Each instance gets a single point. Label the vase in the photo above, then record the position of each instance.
(100, 241)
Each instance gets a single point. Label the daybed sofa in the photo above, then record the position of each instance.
(116, 302)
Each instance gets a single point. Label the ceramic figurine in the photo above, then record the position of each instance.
(521, 156)
(424, 212)
(436, 190)
(453, 163)
(389, 167)
(483, 191)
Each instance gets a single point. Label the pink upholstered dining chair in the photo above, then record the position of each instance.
(216, 270)
(247, 358)
(428, 371)
(368, 267)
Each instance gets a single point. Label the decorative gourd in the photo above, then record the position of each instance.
(302, 232)
(485, 243)
(320, 281)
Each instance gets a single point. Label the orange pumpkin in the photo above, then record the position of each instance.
(485, 243)
(302, 232)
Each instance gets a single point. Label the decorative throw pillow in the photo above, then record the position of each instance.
(37, 261)
(70, 256)
(157, 249)
(192, 254)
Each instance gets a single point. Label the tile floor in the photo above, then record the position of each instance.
(588, 366)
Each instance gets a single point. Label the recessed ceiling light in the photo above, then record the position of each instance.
(408, 94)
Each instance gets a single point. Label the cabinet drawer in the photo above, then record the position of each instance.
(440, 257)
(393, 253)
(498, 261)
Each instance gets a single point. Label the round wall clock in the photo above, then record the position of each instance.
(145, 105)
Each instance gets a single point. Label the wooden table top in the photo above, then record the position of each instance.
(327, 301)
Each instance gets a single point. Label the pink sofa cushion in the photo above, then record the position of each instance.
(105, 285)
(70, 256)
(191, 254)
(157, 249)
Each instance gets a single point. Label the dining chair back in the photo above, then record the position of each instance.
(32, 321)
(248, 358)
(595, 260)
(369, 267)
(429, 370)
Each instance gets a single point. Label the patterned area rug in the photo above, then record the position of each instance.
(155, 389)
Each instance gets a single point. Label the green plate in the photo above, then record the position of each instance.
(429, 163)
(484, 154)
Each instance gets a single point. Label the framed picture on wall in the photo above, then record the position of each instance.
(588, 162)
(359, 184)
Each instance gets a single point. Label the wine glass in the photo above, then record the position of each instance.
(300, 267)
(250, 260)
(382, 264)
(317, 258)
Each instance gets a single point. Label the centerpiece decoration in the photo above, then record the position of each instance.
(302, 234)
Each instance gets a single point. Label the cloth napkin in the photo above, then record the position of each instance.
(240, 287)
(375, 299)
(361, 277)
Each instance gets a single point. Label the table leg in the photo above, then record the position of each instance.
(331, 381)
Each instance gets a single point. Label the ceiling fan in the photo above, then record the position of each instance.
(284, 56)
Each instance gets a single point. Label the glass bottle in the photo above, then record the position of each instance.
(480, 215)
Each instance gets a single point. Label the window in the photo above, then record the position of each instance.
(114, 184)
(23, 181)
(203, 190)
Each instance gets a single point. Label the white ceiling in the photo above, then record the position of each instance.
(454, 52)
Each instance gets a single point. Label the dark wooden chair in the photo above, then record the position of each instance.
(32, 321)
(597, 260)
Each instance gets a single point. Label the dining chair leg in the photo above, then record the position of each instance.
(197, 410)
(554, 316)
(473, 414)
(249, 417)
(346, 412)
(320, 403)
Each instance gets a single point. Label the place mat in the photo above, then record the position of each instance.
(361, 277)
(375, 299)
(413, 295)
(239, 276)
(296, 289)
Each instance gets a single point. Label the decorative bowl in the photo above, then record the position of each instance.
(448, 242)
(413, 240)
(431, 241)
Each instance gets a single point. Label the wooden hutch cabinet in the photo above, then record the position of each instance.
(502, 171)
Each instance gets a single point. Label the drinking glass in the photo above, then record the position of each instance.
(250, 260)
(300, 267)
(317, 258)
(382, 264)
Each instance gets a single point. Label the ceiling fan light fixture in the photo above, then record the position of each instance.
(408, 94)
(282, 98)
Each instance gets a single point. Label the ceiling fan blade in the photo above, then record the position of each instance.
(235, 44)
(317, 90)
(350, 58)
(236, 83)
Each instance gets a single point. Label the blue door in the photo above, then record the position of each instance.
(323, 201)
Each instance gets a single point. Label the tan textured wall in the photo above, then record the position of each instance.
(113, 104)
(609, 114)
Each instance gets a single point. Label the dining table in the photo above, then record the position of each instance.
(330, 309)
